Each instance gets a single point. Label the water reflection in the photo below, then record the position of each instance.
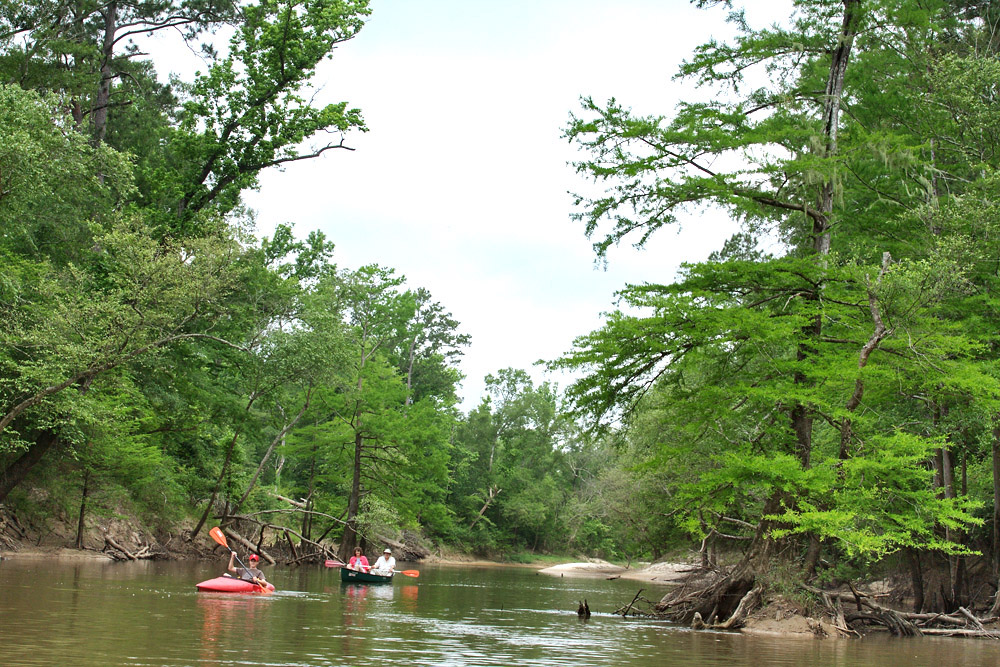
(354, 597)
(228, 620)
(408, 596)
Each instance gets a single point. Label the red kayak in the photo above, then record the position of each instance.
(233, 585)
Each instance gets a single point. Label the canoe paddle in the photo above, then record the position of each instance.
(409, 573)
(217, 535)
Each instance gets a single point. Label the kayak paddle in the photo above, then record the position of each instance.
(333, 563)
(217, 535)
(409, 573)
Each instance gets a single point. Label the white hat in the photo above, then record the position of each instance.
(387, 550)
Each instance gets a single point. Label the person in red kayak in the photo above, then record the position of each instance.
(358, 561)
(247, 573)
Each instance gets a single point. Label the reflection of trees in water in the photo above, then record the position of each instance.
(226, 614)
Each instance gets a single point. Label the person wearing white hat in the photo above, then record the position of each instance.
(385, 565)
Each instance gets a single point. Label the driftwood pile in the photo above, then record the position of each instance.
(868, 613)
(853, 614)
(118, 552)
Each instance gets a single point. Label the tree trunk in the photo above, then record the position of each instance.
(996, 498)
(954, 562)
(307, 518)
(916, 579)
(812, 557)
(831, 117)
(350, 538)
(267, 455)
(103, 101)
(409, 370)
(802, 423)
(19, 469)
(215, 490)
(83, 510)
(706, 546)
(879, 332)
(492, 493)
(801, 415)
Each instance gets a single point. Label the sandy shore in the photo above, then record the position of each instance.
(663, 573)
(58, 553)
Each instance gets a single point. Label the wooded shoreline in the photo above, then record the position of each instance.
(812, 405)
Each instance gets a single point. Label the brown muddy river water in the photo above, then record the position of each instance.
(57, 612)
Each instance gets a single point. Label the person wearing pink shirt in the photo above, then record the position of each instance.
(358, 561)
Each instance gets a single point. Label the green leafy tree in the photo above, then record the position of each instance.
(84, 50)
(371, 440)
(249, 111)
(773, 358)
(510, 480)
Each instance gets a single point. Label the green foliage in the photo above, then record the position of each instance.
(882, 501)
(57, 188)
(147, 338)
(511, 472)
(375, 444)
(825, 379)
(250, 111)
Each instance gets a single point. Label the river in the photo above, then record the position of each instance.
(81, 613)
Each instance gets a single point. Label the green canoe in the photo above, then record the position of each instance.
(363, 577)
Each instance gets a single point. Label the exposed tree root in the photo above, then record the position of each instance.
(868, 611)
(748, 603)
(11, 531)
(725, 603)
(962, 623)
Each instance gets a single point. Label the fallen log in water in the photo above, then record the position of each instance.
(321, 551)
(630, 604)
(960, 632)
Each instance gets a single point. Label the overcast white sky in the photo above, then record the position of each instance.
(461, 183)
